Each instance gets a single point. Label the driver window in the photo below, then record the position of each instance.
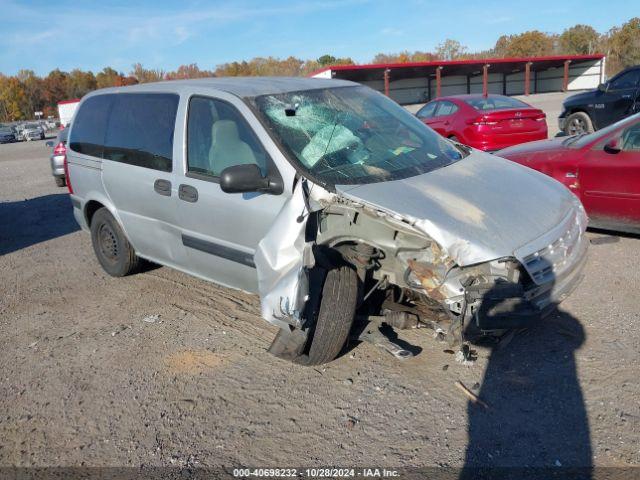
(219, 137)
(626, 80)
(631, 139)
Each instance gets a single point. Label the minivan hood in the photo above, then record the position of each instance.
(477, 209)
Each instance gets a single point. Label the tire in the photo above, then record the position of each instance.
(335, 316)
(577, 123)
(113, 250)
(61, 181)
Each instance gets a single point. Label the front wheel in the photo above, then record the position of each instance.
(60, 181)
(114, 252)
(577, 123)
(335, 316)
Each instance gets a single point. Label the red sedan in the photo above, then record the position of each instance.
(487, 122)
(601, 168)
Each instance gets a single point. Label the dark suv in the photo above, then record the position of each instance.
(610, 102)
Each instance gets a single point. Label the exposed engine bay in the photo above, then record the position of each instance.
(407, 279)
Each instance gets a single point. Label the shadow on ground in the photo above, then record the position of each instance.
(535, 424)
(35, 220)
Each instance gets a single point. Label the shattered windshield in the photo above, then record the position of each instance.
(354, 135)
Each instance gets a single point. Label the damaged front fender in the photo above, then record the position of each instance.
(282, 259)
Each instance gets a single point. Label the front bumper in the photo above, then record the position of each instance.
(554, 264)
(506, 306)
(562, 120)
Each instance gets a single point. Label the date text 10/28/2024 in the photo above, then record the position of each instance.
(315, 472)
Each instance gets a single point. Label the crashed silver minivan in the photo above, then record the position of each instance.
(333, 203)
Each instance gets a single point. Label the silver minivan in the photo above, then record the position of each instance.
(326, 198)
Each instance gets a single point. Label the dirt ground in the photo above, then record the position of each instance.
(161, 369)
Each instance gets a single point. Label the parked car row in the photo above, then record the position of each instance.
(602, 169)
(26, 131)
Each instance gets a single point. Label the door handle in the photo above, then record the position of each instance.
(162, 187)
(187, 193)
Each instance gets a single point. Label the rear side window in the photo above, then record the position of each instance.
(140, 130)
(427, 111)
(89, 126)
(446, 108)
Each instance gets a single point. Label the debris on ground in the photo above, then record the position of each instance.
(151, 318)
(603, 240)
(471, 396)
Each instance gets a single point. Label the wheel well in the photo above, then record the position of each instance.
(578, 110)
(92, 207)
(582, 110)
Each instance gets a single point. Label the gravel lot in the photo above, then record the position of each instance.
(161, 369)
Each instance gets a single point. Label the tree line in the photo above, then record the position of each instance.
(25, 93)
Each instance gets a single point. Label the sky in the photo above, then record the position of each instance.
(42, 35)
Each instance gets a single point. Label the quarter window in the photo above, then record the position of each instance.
(219, 137)
(90, 124)
(140, 130)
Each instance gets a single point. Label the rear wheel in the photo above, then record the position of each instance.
(114, 252)
(60, 181)
(577, 123)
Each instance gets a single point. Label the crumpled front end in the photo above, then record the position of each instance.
(403, 268)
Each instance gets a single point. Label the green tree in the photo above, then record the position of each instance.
(623, 45)
(188, 71)
(579, 40)
(80, 83)
(108, 77)
(12, 98)
(144, 75)
(55, 87)
(532, 43)
(450, 50)
(33, 92)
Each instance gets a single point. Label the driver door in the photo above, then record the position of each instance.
(221, 231)
(609, 182)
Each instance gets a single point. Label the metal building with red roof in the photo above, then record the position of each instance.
(419, 82)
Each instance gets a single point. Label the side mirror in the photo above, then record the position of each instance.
(613, 146)
(247, 178)
(49, 144)
(602, 87)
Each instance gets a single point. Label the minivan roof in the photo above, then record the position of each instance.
(239, 86)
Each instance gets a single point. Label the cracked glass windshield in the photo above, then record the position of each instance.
(354, 135)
